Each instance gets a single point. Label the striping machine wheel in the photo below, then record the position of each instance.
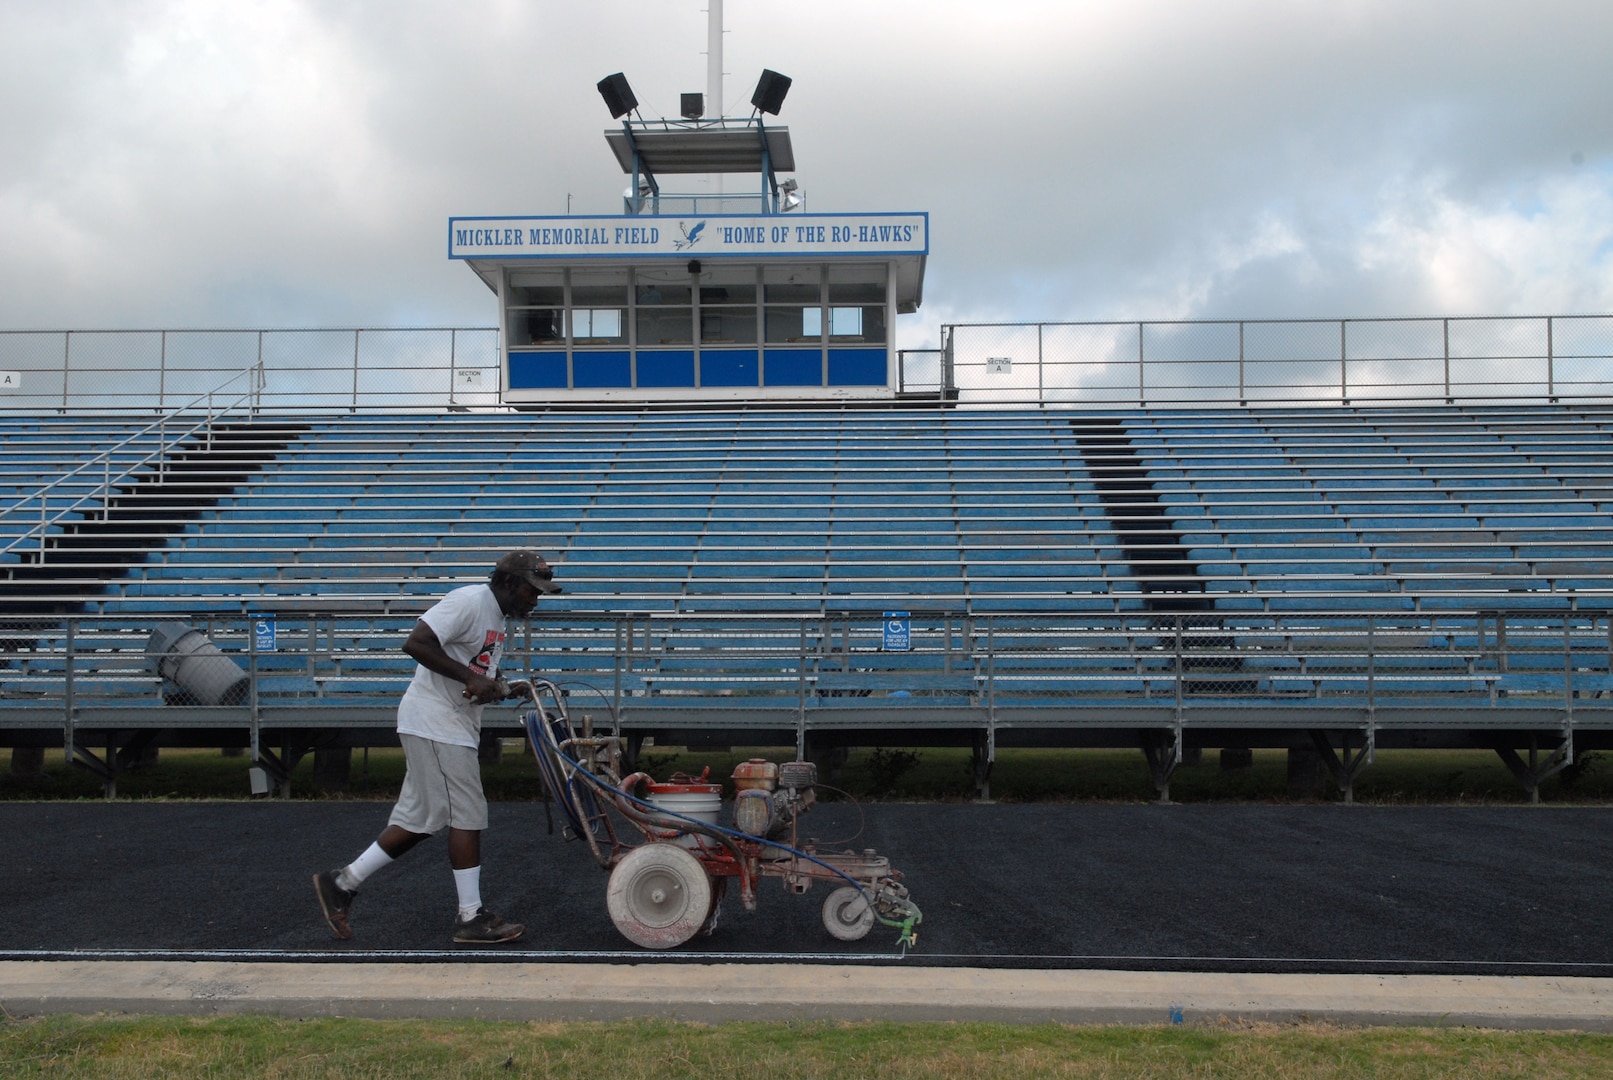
(659, 896)
(847, 914)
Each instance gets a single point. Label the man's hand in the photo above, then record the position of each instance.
(481, 690)
(485, 691)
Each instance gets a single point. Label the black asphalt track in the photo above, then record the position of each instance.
(1209, 887)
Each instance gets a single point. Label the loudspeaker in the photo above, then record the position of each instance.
(770, 91)
(618, 95)
(692, 106)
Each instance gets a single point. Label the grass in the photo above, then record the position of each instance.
(918, 774)
(120, 1047)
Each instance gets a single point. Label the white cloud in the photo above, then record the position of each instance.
(1546, 251)
(293, 162)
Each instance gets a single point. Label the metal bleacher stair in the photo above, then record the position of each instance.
(1067, 573)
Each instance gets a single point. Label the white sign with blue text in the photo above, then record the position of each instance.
(693, 236)
(898, 631)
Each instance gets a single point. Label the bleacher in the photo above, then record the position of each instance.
(1070, 575)
(786, 511)
(978, 511)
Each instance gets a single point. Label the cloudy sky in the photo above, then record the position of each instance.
(293, 163)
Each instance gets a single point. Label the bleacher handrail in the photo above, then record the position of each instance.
(104, 460)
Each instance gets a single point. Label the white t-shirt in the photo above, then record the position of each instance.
(470, 625)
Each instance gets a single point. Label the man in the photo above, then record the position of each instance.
(457, 646)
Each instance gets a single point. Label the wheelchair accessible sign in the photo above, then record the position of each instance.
(898, 631)
(263, 632)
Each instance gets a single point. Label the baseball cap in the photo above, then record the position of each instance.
(529, 567)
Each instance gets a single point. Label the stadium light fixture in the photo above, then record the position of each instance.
(791, 199)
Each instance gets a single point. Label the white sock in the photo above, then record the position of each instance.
(353, 874)
(469, 884)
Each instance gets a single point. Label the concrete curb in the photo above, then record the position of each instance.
(719, 992)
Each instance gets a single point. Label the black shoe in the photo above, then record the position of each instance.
(334, 901)
(486, 929)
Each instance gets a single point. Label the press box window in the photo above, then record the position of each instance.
(596, 324)
(537, 326)
(598, 309)
(536, 310)
(792, 304)
(857, 304)
(665, 308)
(865, 324)
(728, 309)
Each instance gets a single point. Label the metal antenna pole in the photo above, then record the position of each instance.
(714, 54)
(714, 76)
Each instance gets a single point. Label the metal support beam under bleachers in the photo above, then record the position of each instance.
(121, 754)
(1162, 748)
(1544, 762)
(1345, 762)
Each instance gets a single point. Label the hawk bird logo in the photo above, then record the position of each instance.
(690, 236)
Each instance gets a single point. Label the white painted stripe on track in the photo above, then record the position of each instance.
(1030, 960)
(457, 955)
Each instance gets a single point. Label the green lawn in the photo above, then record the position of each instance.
(127, 1047)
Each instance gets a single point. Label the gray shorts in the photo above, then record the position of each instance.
(441, 787)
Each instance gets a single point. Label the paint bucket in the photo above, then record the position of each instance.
(689, 798)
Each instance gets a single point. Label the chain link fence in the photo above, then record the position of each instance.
(162, 370)
(1320, 362)
(1474, 669)
(1162, 680)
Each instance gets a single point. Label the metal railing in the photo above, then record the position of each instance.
(407, 368)
(1242, 362)
(1294, 361)
(672, 204)
(85, 492)
(722, 669)
(1348, 683)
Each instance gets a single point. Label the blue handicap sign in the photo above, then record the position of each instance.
(263, 632)
(898, 631)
